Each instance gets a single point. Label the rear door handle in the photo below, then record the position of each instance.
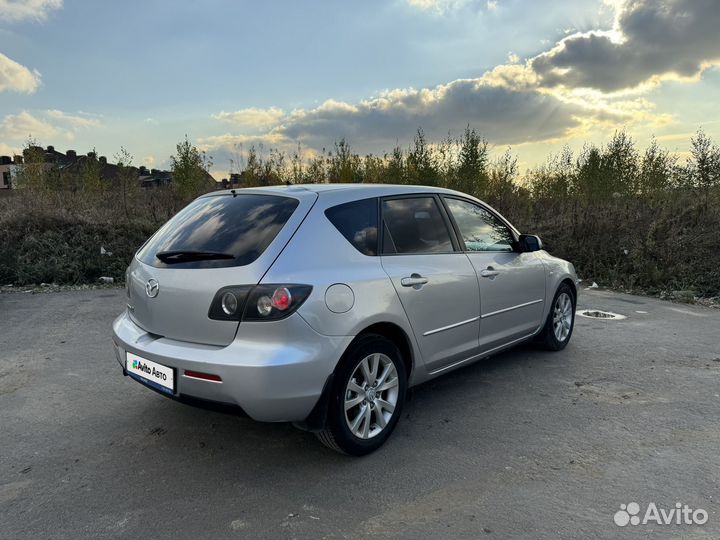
(415, 280)
(489, 272)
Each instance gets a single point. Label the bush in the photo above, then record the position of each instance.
(627, 219)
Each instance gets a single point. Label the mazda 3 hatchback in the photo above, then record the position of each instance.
(322, 304)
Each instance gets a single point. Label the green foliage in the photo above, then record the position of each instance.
(90, 177)
(471, 172)
(127, 187)
(34, 174)
(190, 169)
(704, 166)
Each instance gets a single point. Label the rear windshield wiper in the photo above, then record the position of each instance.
(170, 257)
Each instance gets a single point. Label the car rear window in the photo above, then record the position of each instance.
(241, 226)
(358, 222)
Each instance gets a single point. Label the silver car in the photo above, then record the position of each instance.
(322, 304)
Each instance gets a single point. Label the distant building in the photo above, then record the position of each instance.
(8, 170)
(73, 163)
(236, 181)
(153, 177)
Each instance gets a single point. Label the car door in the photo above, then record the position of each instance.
(436, 283)
(512, 284)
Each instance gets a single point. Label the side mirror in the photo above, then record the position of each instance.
(530, 242)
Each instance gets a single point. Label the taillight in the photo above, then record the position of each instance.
(229, 303)
(273, 302)
(260, 303)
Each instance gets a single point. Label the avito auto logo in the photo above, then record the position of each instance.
(149, 370)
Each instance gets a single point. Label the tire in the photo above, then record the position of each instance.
(359, 430)
(554, 337)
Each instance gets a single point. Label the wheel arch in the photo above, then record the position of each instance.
(397, 335)
(316, 420)
(572, 285)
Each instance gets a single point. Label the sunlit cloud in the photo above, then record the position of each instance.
(45, 126)
(24, 125)
(587, 82)
(252, 118)
(16, 77)
(73, 120)
(20, 10)
(437, 6)
(8, 150)
(651, 41)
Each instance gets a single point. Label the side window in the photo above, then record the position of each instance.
(358, 222)
(480, 230)
(414, 225)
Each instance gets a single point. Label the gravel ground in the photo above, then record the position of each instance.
(528, 444)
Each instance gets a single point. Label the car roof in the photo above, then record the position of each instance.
(350, 190)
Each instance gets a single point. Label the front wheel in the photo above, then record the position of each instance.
(560, 321)
(368, 392)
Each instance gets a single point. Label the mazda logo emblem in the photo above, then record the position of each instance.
(152, 288)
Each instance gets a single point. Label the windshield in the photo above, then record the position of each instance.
(219, 231)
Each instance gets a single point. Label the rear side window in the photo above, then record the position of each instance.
(239, 227)
(358, 222)
(414, 225)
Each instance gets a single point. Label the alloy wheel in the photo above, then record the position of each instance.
(371, 396)
(562, 316)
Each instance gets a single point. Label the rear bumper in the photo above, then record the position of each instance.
(273, 371)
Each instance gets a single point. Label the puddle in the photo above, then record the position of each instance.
(599, 314)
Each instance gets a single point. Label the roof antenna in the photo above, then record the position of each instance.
(234, 193)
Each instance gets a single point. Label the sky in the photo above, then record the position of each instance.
(531, 76)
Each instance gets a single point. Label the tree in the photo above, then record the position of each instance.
(35, 174)
(472, 174)
(90, 174)
(420, 167)
(589, 181)
(343, 165)
(190, 169)
(502, 178)
(554, 179)
(620, 165)
(656, 169)
(396, 167)
(704, 164)
(127, 179)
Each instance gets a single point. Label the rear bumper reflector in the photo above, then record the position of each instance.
(202, 376)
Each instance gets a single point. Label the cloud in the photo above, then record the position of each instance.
(436, 6)
(73, 120)
(7, 150)
(502, 114)
(16, 77)
(584, 83)
(19, 10)
(149, 161)
(252, 118)
(651, 41)
(20, 126)
(46, 126)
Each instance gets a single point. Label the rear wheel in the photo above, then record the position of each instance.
(560, 322)
(368, 392)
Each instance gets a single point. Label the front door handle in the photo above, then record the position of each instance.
(489, 272)
(415, 280)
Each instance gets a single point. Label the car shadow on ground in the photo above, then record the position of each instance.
(200, 436)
